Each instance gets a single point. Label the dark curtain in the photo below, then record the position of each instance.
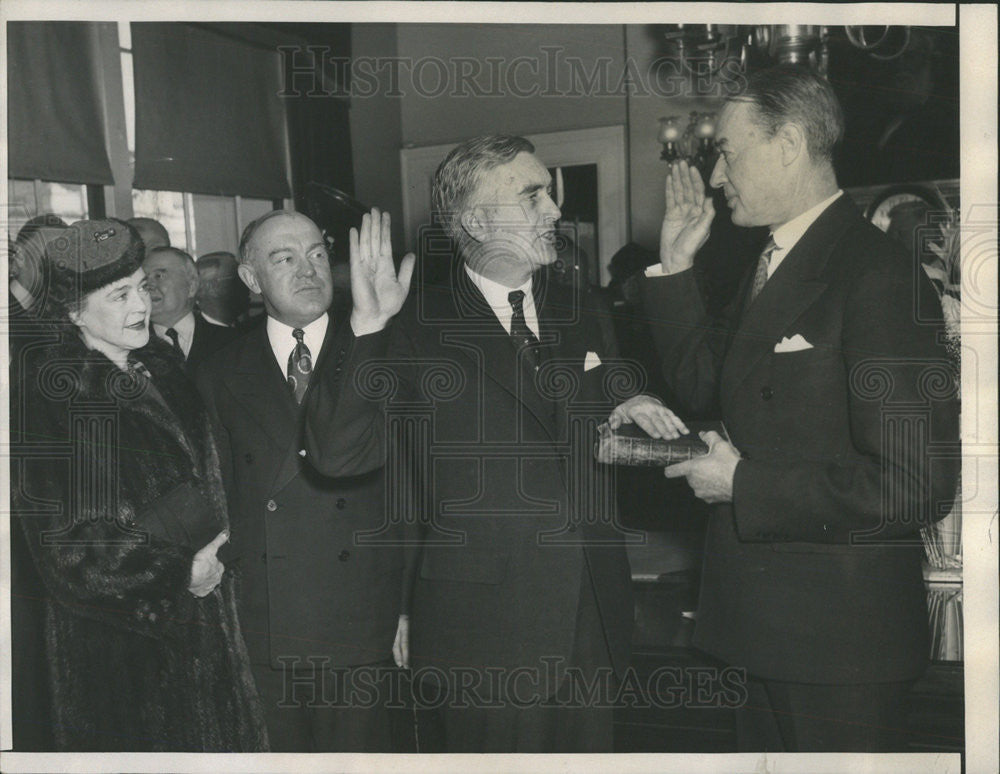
(207, 114)
(55, 116)
(319, 131)
(319, 136)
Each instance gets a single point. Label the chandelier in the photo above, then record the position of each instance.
(710, 54)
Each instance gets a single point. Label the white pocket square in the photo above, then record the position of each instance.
(794, 344)
(591, 361)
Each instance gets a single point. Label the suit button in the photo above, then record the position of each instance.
(272, 505)
(344, 555)
(766, 393)
(248, 457)
(341, 503)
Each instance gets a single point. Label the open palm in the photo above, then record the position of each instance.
(378, 292)
(686, 219)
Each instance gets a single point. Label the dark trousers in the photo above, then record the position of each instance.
(797, 717)
(328, 710)
(562, 725)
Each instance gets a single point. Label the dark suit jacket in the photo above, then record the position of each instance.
(813, 572)
(208, 339)
(506, 488)
(309, 586)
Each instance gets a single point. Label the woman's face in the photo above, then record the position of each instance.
(115, 319)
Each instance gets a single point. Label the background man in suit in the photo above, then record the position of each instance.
(315, 603)
(812, 571)
(173, 286)
(522, 561)
(151, 232)
(222, 299)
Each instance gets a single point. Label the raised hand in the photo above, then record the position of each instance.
(686, 220)
(378, 292)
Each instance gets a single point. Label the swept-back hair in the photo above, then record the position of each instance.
(793, 93)
(459, 175)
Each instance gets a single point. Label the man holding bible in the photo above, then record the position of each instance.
(842, 414)
(521, 570)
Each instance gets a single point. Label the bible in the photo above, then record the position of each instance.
(631, 445)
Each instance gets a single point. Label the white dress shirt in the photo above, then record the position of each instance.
(496, 296)
(283, 342)
(788, 235)
(185, 332)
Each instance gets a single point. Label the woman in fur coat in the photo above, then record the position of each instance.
(122, 505)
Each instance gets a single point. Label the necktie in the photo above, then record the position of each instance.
(761, 275)
(300, 365)
(176, 339)
(519, 330)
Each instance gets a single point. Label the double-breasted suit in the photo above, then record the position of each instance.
(836, 391)
(308, 589)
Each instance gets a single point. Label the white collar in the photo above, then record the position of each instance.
(496, 295)
(185, 332)
(184, 326)
(283, 342)
(213, 321)
(788, 234)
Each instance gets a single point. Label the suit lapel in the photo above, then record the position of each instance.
(259, 387)
(196, 341)
(292, 461)
(793, 288)
(493, 351)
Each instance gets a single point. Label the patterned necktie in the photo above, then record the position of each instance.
(519, 330)
(176, 339)
(760, 278)
(300, 365)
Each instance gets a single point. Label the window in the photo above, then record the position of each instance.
(29, 198)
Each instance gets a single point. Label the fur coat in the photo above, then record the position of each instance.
(119, 487)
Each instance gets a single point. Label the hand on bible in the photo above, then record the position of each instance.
(710, 476)
(651, 415)
(377, 291)
(686, 220)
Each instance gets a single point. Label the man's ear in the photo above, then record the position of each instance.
(74, 317)
(474, 223)
(194, 282)
(249, 277)
(792, 141)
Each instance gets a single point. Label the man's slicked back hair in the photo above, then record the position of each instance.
(794, 94)
(251, 229)
(459, 175)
